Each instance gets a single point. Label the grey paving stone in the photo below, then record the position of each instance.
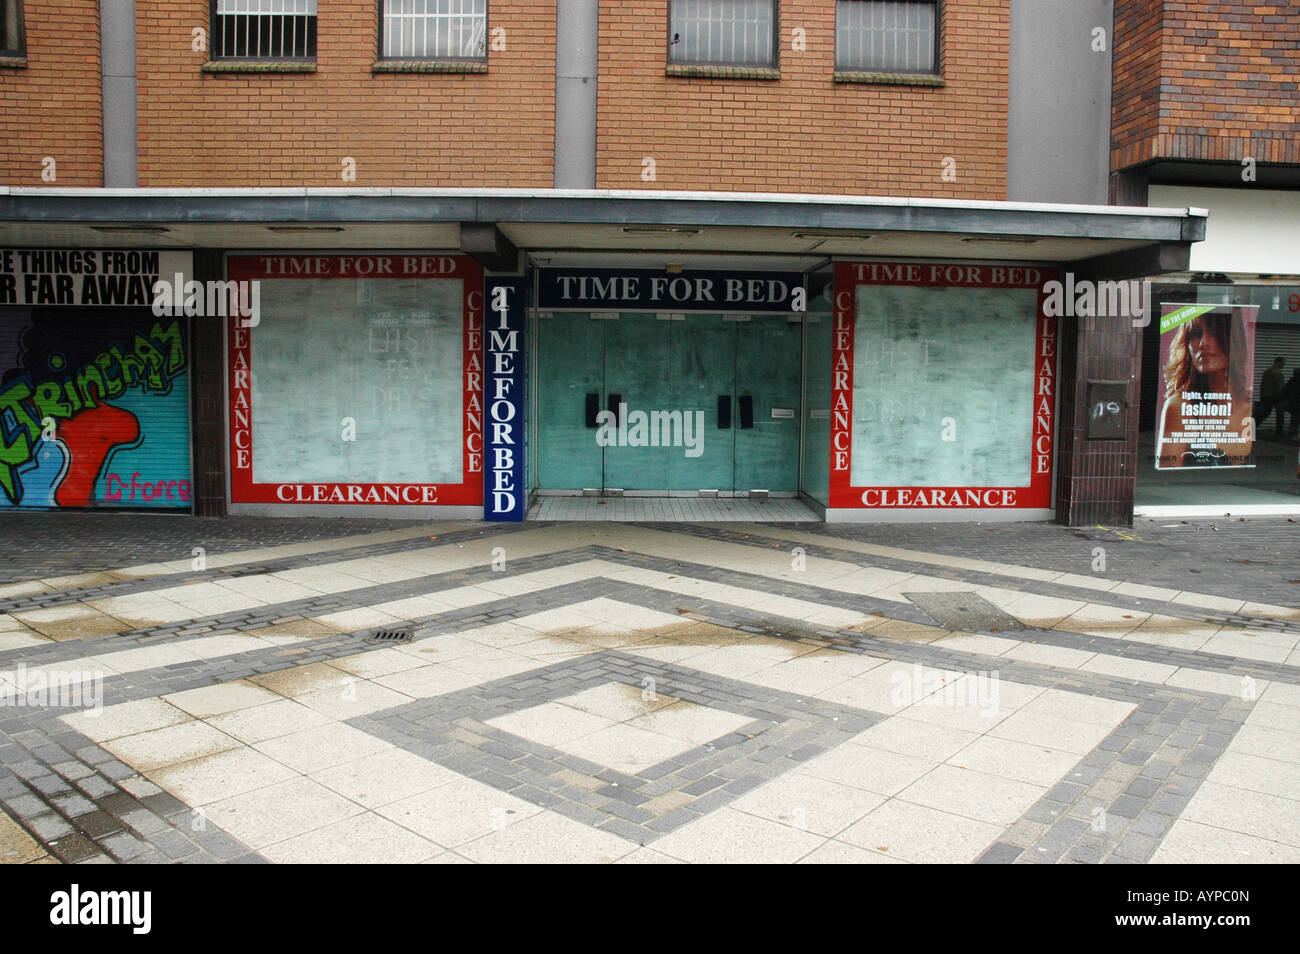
(1000, 853)
(1089, 851)
(1137, 846)
(1143, 787)
(26, 806)
(1152, 823)
(73, 805)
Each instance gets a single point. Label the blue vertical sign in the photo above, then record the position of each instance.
(505, 494)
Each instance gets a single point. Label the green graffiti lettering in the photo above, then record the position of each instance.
(48, 403)
(87, 378)
(74, 399)
(116, 387)
(169, 339)
(19, 450)
(150, 365)
(131, 366)
(153, 360)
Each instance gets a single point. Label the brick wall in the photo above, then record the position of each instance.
(804, 132)
(1207, 80)
(491, 129)
(51, 107)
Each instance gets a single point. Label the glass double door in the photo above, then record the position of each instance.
(640, 403)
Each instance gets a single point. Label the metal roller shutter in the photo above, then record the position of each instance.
(94, 409)
(1272, 341)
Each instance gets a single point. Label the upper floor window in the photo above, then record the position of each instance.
(722, 32)
(264, 29)
(886, 36)
(13, 41)
(433, 29)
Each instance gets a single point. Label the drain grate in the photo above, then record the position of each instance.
(391, 636)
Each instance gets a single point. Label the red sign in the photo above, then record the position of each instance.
(848, 276)
(469, 492)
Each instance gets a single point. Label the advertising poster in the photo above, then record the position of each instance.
(1207, 360)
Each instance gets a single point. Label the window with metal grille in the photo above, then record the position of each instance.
(264, 29)
(886, 36)
(13, 42)
(722, 32)
(433, 29)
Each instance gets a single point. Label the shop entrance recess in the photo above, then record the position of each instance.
(682, 404)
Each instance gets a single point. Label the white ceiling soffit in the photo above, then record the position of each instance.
(557, 241)
(576, 242)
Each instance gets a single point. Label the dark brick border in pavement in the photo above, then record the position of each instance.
(1253, 558)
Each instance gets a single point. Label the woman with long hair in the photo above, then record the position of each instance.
(1207, 396)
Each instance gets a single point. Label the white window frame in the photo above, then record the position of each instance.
(935, 49)
(255, 11)
(456, 9)
(677, 45)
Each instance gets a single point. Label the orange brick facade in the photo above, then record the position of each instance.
(804, 132)
(492, 129)
(1210, 80)
(50, 109)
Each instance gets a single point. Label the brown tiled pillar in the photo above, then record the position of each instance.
(207, 380)
(1096, 479)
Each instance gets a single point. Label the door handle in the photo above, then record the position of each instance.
(612, 404)
(724, 412)
(592, 408)
(746, 412)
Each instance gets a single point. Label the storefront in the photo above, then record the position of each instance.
(94, 383)
(1242, 291)
(461, 354)
(634, 398)
(872, 390)
(927, 390)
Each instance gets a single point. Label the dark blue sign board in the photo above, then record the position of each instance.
(658, 290)
(505, 493)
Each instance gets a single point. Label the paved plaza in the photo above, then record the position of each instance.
(259, 690)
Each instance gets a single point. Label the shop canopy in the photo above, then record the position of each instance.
(555, 225)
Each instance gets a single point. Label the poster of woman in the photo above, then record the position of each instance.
(1207, 360)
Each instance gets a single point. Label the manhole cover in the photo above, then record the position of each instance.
(964, 611)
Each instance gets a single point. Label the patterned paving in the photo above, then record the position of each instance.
(640, 693)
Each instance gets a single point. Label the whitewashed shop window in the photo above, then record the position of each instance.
(886, 36)
(264, 29)
(943, 386)
(386, 356)
(13, 41)
(722, 32)
(433, 29)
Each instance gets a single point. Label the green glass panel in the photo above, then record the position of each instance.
(570, 365)
(637, 372)
(768, 356)
(703, 369)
